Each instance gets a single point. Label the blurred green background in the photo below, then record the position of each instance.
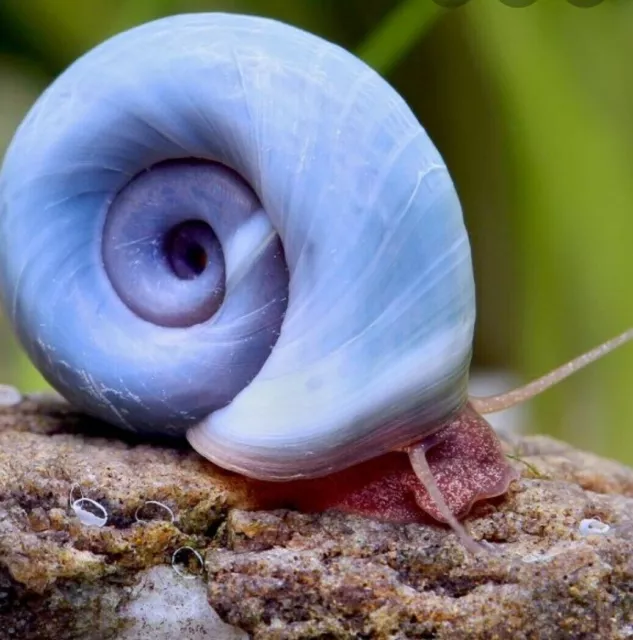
(532, 109)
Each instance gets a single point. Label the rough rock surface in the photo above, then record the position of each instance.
(283, 574)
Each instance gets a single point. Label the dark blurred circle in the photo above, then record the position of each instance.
(518, 4)
(585, 4)
(450, 4)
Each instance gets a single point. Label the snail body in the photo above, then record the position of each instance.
(224, 226)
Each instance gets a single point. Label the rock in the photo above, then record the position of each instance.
(560, 563)
(62, 579)
(165, 606)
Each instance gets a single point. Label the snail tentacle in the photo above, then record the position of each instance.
(421, 468)
(508, 399)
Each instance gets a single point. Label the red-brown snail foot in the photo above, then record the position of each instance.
(465, 458)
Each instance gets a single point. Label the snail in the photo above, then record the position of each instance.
(223, 226)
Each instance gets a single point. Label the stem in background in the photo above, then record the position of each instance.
(397, 34)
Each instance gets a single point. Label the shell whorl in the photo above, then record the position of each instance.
(367, 342)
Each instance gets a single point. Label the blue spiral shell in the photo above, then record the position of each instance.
(362, 348)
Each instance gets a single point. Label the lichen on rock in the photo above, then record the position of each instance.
(285, 574)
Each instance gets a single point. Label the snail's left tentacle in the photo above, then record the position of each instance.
(508, 399)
